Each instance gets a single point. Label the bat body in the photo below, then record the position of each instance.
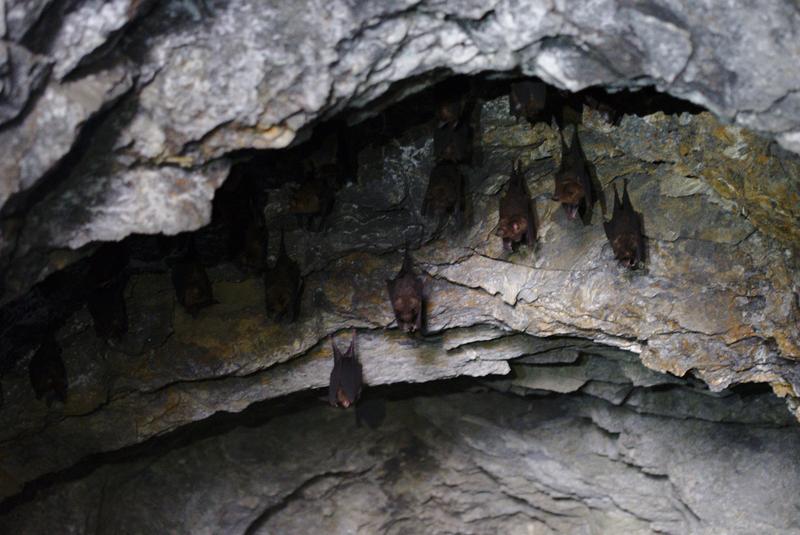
(253, 257)
(107, 306)
(345, 384)
(445, 193)
(528, 100)
(573, 186)
(106, 301)
(624, 231)
(453, 144)
(516, 222)
(283, 287)
(47, 372)
(192, 285)
(451, 99)
(312, 202)
(405, 294)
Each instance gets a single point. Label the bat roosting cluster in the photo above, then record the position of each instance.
(239, 233)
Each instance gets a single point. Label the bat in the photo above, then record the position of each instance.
(405, 295)
(528, 100)
(47, 372)
(453, 144)
(604, 109)
(192, 285)
(624, 230)
(283, 287)
(573, 186)
(451, 99)
(516, 222)
(107, 307)
(312, 202)
(445, 193)
(253, 255)
(345, 385)
(106, 299)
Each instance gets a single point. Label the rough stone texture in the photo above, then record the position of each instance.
(215, 76)
(468, 463)
(130, 133)
(716, 300)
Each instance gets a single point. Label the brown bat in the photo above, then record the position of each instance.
(253, 257)
(346, 381)
(516, 222)
(283, 288)
(106, 301)
(445, 194)
(405, 294)
(107, 306)
(528, 100)
(624, 230)
(312, 202)
(573, 186)
(47, 372)
(192, 285)
(453, 144)
(451, 99)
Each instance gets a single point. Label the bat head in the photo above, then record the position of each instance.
(570, 194)
(511, 229)
(278, 300)
(626, 250)
(449, 111)
(407, 308)
(198, 292)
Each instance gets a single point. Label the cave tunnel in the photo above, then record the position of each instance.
(363, 268)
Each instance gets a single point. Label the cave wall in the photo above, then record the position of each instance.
(123, 117)
(669, 461)
(167, 89)
(715, 300)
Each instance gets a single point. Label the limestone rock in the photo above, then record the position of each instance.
(464, 463)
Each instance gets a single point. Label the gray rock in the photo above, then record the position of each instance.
(459, 463)
(21, 75)
(215, 77)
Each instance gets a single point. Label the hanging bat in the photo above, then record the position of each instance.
(528, 100)
(516, 222)
(573, 186)
(107, 307)
(445, 194)
(624, 230)
(453, 144)
(312, 202)
(451, 100)
(283, 288)
(47, 372)
(192, 285)
(345, 385)
(106, 300)
(405, 294)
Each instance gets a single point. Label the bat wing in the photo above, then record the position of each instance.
(530, 233)
(350, 378)
(608, 226)
(333, 385)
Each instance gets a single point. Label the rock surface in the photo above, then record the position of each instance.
(124, 117)
(210, 77)
(477, 462)
(716, 300)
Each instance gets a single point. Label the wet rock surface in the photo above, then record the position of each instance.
(662, 461)
(204, 78)
(125, 117)
(715, 300)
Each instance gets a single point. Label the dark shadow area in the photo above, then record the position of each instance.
(255, 415)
